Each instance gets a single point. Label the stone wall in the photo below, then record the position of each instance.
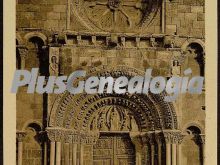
(183, 18)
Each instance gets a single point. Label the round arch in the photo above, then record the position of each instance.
(194, 124)
(151, 111)
(28, 36)
(27, 123)
(190, 41)
(19, 39)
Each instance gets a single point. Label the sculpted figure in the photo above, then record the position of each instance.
(54, 66)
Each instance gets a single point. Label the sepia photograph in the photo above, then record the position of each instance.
(110, 82)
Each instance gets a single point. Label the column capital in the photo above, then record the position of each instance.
(151, 137)
(202, 138)
(55, 133)
(68, 138)
(159, 137)
(20, 135)
(199, 139)
(22, 51)
(173, 136)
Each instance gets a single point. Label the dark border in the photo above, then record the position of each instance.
(1, 84)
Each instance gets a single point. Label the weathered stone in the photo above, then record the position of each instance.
(197, 9)
(59, 8)
(201, 17)
(103, 44)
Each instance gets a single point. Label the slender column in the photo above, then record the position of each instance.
(74, 152)
(20, 150)
(159, 153)
(68, 140)
(168, 154)
(81, 154)
(174, 155)
(20, 137)
(179, 154)
(68, 15)
(55, 135)
(163, 15)
(152, 154)
(159, 140)
(66, 156)
(202, 142)
(23, 54)
(71, 154)
(151, 139)
(167, 137)
(52, 153)
(45, 153)
(58, 153)
(179, 149)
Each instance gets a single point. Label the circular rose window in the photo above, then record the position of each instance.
(116, 15)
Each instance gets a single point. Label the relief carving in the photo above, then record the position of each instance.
(115, 15)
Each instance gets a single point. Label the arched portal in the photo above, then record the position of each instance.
(137, 119)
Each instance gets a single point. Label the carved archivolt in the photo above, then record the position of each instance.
(85, 112)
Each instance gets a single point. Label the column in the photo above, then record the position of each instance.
(174, 155)
(163, 15)
(55, 136)
(81, 154)
(52, 153)
(167, 137)
(168, 154)
(70, 154)
(58, 153)
(45, 153)
(152, 153)
(23, 53)
(179, 154)
(51, 137)
(139, 143)
(68, 15)
(202, 142)
(179, 149)
(74, 153)
(20, 137)
(151, 139)
(159, 141)
(67, 150)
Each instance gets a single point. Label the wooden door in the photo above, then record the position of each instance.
(114, 149)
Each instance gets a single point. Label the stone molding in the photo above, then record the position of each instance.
(71, 136)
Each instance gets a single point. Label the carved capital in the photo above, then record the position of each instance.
(159, 138)
(202, 139)
(20, 135)
(55, 134)
(167, 137)
(23, 51)
(68, 138)
(151, 138)
(173, 136)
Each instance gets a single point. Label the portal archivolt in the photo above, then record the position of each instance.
(77, 112)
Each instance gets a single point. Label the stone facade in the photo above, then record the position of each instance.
(117, 38)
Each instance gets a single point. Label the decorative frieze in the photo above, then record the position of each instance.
(71, 136)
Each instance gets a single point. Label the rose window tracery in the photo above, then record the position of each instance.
(116, 15)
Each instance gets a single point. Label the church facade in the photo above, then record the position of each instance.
(110, 38)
